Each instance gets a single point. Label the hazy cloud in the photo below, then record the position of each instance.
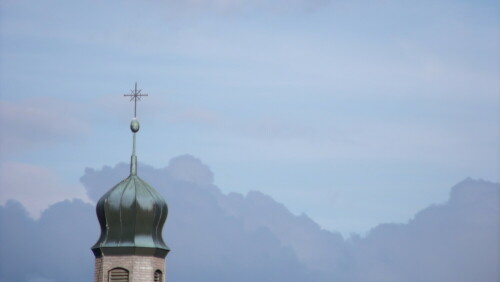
(232, 6)
(37, 123)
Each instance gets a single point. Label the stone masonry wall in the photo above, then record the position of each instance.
(141, 268)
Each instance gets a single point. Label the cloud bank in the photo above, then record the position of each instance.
(235, 237)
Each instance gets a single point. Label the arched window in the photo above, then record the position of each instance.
(118, 275)
(158, 276)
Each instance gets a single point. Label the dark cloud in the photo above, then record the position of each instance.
(455, 241)
(54, 248)
(218, 237)
(17, 242)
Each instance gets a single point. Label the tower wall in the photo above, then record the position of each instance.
(140, 268)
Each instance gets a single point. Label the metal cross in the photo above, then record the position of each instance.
(135, 95)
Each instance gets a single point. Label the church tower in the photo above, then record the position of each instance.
(131, 215)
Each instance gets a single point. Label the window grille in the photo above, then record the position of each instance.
(118, 275)
(158, 277)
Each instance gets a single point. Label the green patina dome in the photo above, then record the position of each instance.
(131, 216)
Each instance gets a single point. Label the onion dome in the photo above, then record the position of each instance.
(131, 216)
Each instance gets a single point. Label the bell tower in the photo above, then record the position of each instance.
(131, 216)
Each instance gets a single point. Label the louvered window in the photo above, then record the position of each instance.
(158, 277)
(118, 275)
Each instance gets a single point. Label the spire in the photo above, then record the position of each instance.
(135, 95)
(131, 216)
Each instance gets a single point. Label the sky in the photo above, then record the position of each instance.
(352, 112)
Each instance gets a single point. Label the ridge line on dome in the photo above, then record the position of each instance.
(155, 226)
(120, 211)
(135, 209)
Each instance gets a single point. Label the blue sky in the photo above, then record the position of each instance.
(353, 112)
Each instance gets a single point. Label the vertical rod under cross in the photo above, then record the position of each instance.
(133, 159)
(135, 100)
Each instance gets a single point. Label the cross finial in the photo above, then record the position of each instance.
(135, 95)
